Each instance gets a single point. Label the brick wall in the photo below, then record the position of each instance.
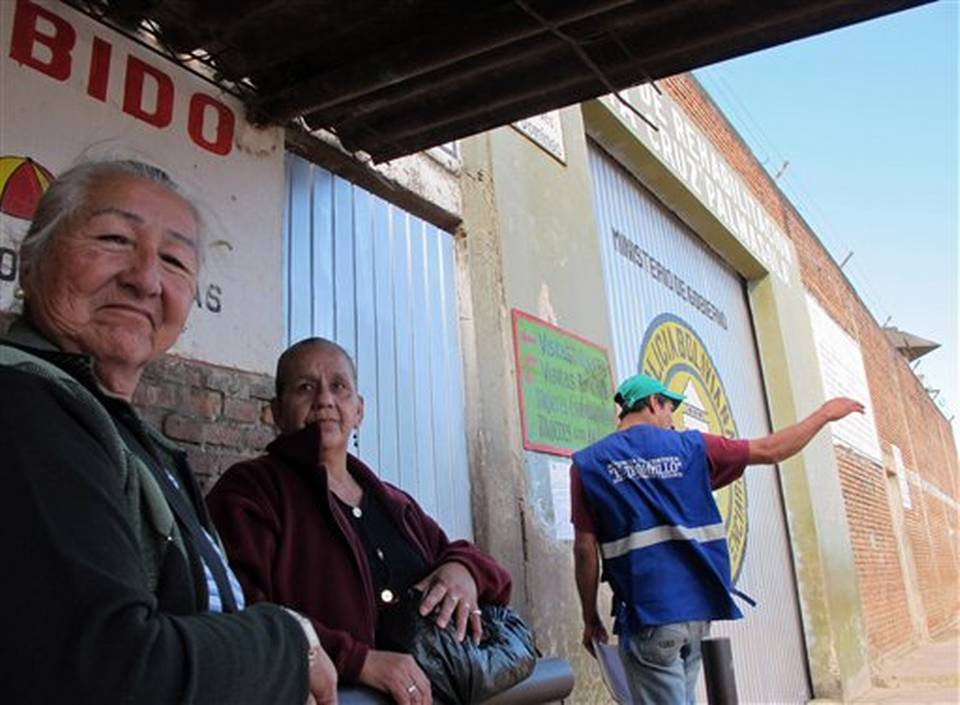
(875, 551)
(884, 366)
(905, 416)
(217, 415)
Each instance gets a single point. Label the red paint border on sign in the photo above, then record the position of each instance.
(517, 314)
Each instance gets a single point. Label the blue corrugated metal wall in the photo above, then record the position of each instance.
(381, 283)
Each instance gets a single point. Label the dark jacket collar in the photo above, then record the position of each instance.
(25, 336)
(300, 450)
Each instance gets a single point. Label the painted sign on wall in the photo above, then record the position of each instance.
(71, 89)
(565, 387)
(546, 131)
(843, 374)
(693, 159)
(674, 353)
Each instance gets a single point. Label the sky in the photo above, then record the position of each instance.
(861, 124)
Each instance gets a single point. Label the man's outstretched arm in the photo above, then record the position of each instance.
(786, 442)
(586, 563)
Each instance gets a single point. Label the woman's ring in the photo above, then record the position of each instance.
(477, 612)
(411, 688)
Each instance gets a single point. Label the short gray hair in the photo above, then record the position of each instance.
(67, 196)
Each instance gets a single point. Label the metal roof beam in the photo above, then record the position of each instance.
(385, 133)
(415, 58)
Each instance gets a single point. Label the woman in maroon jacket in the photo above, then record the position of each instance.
(311, 527)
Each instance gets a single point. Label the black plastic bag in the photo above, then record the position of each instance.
(461, 673)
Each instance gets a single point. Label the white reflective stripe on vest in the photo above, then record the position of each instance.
(661, 534)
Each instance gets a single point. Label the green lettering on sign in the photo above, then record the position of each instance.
(565, 387)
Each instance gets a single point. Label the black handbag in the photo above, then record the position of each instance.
(460, 673)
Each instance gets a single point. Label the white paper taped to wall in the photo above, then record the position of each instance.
(560, 494)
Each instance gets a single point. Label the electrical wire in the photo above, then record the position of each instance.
(796, 190)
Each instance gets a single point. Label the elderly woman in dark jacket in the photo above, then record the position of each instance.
(115, 587)
(310, 526)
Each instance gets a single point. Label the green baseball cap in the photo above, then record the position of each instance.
(638, 387)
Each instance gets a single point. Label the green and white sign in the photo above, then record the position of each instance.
(565, 387)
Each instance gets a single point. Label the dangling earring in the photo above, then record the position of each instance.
(356, 439)
(19, 294)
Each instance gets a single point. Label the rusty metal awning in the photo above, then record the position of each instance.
(909, 345)
(392, 77)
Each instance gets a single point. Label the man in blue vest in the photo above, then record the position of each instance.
(641, 498)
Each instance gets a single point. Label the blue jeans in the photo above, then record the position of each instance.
(663, 663)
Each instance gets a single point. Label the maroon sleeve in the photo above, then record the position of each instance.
(581, 513)
(249, 529)
(727, 456)
(492, 579)
(348, 654)
(244, 516)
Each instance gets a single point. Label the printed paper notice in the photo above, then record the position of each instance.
(560, 491)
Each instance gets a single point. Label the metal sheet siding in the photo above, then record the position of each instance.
(381, 283)
(768, 643)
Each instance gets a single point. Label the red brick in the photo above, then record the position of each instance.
(161, 395)
(205, 403)
(241, 410)
(262, 388)
(221, 434)
(203, 463)
(231, 382)
(182, 428)
(257, 438)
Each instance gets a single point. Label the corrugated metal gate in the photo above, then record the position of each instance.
(381, 283)
(679, 312)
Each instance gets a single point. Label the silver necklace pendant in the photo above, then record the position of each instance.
(357, 512)
(386, 596)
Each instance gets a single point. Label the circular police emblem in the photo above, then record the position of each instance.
(673, 353)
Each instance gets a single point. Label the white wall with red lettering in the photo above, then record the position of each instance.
(71, 87)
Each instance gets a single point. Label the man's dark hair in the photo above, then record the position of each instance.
(284, 361)
(642, 404)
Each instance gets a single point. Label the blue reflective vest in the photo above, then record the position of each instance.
(661, 535)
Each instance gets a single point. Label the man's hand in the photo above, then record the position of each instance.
(396, 674)
(586, 568)
(453, 588)
(782, 444)
(594, 629)
(323, 679)
(838, 407)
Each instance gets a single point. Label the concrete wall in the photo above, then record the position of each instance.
(530, 243)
